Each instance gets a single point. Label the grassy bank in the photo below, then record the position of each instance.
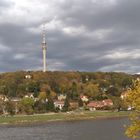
(19, 119)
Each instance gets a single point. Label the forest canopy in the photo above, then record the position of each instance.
(92, 84)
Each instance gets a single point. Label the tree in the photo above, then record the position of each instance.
(2, 106)
(42, 96)
(92, 90)
(66, 104)
(27, 105)
(53, 95)
(127, 82)
(117, 102)
(75, 90)
(133, 100)
(10, 107)
(80, 102)
(50, 105)
(45, 88)
(113, 91)
(21, 90)
(40, 106)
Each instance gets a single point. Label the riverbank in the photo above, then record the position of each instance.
(82, 115)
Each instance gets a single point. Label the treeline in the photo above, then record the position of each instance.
(96, 85)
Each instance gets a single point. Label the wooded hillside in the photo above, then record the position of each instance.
(93, 84)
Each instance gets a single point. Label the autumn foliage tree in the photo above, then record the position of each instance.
(133, 100)
(91, 90)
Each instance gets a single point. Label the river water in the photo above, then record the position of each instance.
(106, 129)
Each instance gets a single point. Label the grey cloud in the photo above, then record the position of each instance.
(19, 41)
(5, 3)
(96, 16)
(78, 51)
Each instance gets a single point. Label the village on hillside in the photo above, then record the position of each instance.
(12, 105)
(37, 92)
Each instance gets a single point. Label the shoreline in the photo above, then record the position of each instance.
(21, 120)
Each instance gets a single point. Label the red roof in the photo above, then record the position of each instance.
(95, 104)
(103, 103)
(107, 102)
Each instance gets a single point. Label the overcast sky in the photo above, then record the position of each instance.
(82, 35)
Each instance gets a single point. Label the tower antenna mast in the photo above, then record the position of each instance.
(44, 47)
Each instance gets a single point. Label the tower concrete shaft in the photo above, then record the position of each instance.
(44, 48)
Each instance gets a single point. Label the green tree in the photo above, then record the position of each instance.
(74, 91)
(113, 91)
(40, 106)
(127, 82)
(27, 105)
(133, 100)
(50, 105)
(66, 104)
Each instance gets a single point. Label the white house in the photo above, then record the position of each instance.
(61, 97)
(59, 104)
(84, 98)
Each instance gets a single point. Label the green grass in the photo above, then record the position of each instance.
(19, 119)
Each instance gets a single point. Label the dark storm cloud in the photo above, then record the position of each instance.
(22, 48)
(17, 36)
(123, 19)
(91, 35)
(97, 16)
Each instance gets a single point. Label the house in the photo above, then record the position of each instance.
(4, 98)
(16, 101)
(99, 104)
(92, 106)
(95, 105)
(28, 76)
(84, 98)
(61, 97)
(29, 95)
(59, 104)
(108, 102)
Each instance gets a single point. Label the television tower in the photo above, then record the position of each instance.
(44, 47)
